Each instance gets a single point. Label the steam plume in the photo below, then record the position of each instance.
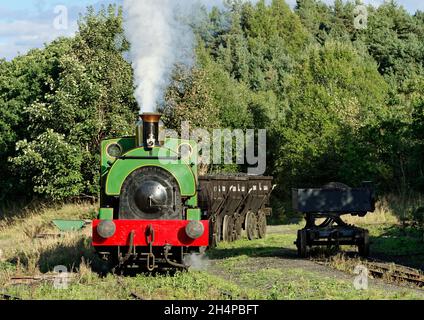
(160, 38)
(197, 262)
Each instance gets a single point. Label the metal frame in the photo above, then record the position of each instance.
(333, 231)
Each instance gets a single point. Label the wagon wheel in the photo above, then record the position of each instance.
(302, 243)
(238, 230)
(213, 242)
(227, 229)
(261, 225)
(216, 234)
(251, 226)
(364, 246)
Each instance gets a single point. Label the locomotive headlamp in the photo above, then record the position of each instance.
(195, 229)
(106, 229)
(114, 150)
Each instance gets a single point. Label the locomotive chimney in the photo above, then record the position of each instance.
(147, 130)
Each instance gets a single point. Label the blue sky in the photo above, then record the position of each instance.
(26, 24)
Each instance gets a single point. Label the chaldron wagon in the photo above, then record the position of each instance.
(327, 205)
(233, 203)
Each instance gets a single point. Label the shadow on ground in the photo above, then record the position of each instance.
(70, 255)
(401, 245)
(252, 252)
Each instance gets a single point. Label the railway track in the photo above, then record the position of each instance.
(395, 273)
(132, 294)
(379, 269)
(6, 296)
(33, 280)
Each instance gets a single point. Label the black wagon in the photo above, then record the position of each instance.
(233, 203)
(329, 204)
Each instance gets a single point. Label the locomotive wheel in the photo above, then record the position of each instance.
(251, 226)
(364, 246)
(302, 243)
(227, 229)
(262, 225)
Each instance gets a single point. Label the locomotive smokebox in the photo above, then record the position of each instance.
(147, 130)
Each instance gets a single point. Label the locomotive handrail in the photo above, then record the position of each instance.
(147, 158)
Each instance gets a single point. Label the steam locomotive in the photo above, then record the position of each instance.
(155, 209)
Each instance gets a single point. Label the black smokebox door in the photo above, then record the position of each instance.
(150, 193)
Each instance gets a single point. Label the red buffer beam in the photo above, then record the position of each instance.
(165, 232)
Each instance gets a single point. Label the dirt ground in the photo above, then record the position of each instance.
(286, 259)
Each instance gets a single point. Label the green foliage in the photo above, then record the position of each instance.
(338, 103)
(188, 99)
(52, 165)
(333, 97)
(80, 88)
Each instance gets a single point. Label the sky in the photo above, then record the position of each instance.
(26, 24)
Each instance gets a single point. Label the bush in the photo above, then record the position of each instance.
(50, 165)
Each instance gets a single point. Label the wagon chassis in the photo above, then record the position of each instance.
(333, 232)
(329, 204)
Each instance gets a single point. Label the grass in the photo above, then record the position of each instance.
(20, 247)
(291, 281)
(297, 284)
(269, 247)
(263, 269)
(187, 286)
(393, 233)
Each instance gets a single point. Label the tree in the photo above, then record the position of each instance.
(88, 97)
(335, 94)
(338, 103)
(53, 166)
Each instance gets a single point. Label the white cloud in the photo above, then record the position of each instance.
(19, 36)
(21, 30)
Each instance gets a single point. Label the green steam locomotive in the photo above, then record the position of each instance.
(155, 209)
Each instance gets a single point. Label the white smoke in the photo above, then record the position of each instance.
(197, 262)
(160, 38)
